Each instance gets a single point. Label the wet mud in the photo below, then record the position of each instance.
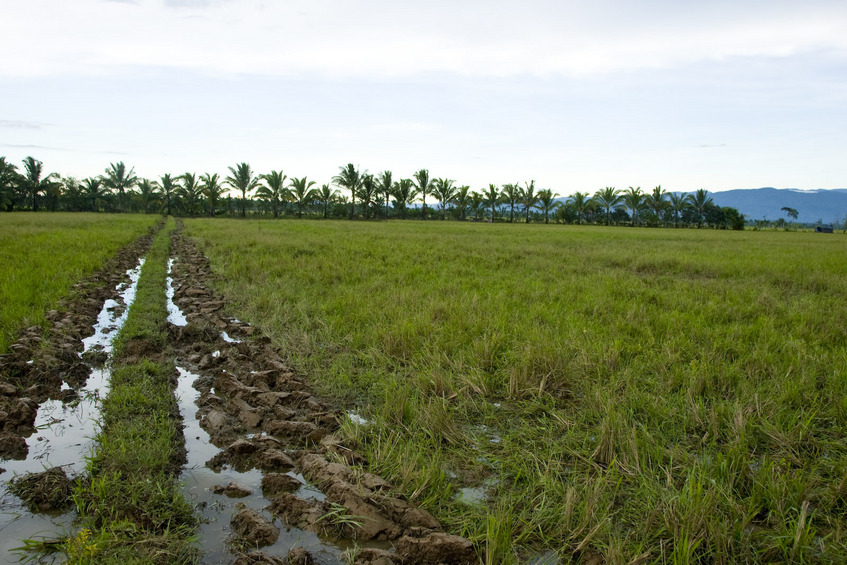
(283, 486)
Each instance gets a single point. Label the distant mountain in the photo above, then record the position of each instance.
(828, 206)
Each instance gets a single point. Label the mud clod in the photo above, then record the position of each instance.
(299, 513)
(436, 548)
(253, 528)
(299, 556)
(259, 558)
(43, 492)
(232, 490)
(371, 556)
(277, 483)
(13, 446)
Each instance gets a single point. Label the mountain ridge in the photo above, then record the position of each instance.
(825, 206)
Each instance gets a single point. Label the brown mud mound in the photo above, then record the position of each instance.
(44, 492)
(252, 528)
(262, 415)
(13, 446)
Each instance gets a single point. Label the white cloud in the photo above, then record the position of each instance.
(389, 39)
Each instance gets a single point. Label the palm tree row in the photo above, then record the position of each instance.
(379, 196)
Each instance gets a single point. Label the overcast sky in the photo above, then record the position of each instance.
(575, 95)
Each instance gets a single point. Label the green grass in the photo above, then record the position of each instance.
(655, 394)
(131, 505)
(43, 255)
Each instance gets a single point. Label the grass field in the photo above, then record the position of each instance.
(43, 255)
(645, 395)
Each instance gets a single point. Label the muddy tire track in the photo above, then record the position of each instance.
(262, 415)
(40, 361)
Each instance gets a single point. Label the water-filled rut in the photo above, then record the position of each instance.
(63, 428)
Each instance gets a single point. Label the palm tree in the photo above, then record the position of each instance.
(700, 200)
(119, 179)
(634, 200)
(147, 194)
(9, 178)
(477, 204)
(53, 192)
(301, 193)
(528, 198)
(212, 189)
(191, 192)
(169, 187)
(326, 196)
(581, 203)
(462, 199)
(608, 198)
(242, 179)
(444, 190)
(492, 196)
(547, 202)
(404, 193)
(511, 193)
(349, 178)
(657, 202)
(93, 191)
(367, 193)
(678, 203)
(273, 189)
(32, 181)
(424, 185)
(384, 187)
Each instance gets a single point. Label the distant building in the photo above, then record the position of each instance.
(823, 229)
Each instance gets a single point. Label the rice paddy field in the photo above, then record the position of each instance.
(42, 256)
(586, 394)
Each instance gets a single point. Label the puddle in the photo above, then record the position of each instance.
(307, 490)
(216, 510)
(226, 337)
(175, 315)
(63, 435)
(477, 495)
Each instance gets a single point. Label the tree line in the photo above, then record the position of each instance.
(369, 196)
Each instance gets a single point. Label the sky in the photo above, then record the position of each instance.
(576, 95)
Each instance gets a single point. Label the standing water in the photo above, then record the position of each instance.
(215, 510)
(64, 431)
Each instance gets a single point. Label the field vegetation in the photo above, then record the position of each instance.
(42, 256)
(645, 395)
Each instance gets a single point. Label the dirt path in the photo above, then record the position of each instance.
(262, 416)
